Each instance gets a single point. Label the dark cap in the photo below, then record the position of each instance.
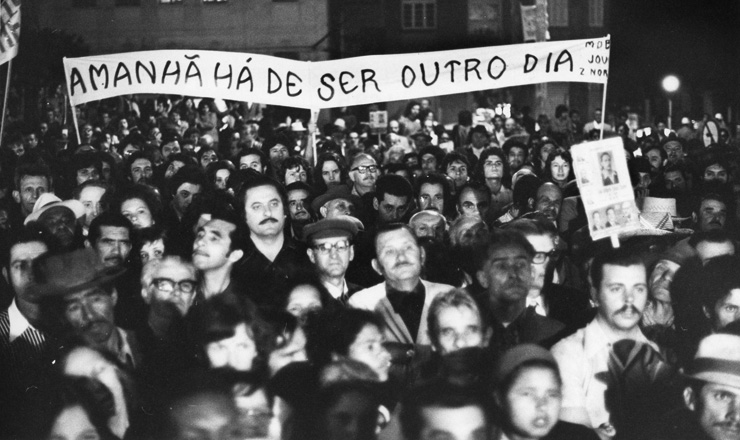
(340, 226)
(520, 354)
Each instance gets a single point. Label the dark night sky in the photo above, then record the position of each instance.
(696, 40)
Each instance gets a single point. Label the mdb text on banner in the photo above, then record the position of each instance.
(325, 84)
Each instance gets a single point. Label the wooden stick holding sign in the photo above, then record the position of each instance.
(615, 241)
(74, 120)
(601, 134)
(5, 99)
(312, 126)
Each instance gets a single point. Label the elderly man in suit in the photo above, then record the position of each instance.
(403, 299)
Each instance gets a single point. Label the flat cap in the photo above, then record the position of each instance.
(340, 226)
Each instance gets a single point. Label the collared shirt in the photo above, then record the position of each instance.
(409, 305)
(21, 346)
(337, 292)
(538, 304)
(581, 357)
(18, 323)
(124, 353)
(528, 327)
(263, 278)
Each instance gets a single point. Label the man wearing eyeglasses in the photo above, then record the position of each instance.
(363, 174)
(330, 251)
(168, 287)
(504, 278)
(547, 296)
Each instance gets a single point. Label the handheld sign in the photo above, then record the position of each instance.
(378, 122)
(606, 190)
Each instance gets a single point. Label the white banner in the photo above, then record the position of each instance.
(604, 183)
(10, 29)
(353, 81)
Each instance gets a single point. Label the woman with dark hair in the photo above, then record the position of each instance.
(78, 408)
(207, 156)
(457, 167)
(410, 123)
(294, 169)
(230, 326)
(141, 205)
(219, 174)
(206, 121)
(543, 149)
(149, 244)
(282, 339)
(349, 333)
(330, 170)
(559, 168)
(493, 169)
(306, 294)
(81, 361)
(528, 394)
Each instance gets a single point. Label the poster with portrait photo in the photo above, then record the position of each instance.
(603, 180)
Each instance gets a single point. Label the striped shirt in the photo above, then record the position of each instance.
(21, 345)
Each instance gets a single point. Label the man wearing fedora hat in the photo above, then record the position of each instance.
(78, 293)
(337, 200)
(712, 394)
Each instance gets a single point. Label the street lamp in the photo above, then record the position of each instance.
(670, 85)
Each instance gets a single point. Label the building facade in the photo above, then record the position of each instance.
(293, 29)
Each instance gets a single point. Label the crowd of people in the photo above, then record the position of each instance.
(190, 270)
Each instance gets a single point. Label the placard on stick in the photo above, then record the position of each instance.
(379, 122)
(606, 190)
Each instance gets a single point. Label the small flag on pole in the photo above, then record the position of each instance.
(10, 29)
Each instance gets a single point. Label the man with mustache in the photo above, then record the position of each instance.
(403, 299)
(504, 278)
(111, 237)
(620, 291)
(271, 256)
(79, 288)
(432, 191)
(712, 213)
(299, 194)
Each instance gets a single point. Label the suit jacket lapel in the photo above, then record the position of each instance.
(393, 322)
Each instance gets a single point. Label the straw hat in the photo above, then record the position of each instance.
(48, 200)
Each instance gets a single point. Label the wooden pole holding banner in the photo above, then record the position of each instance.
(314, 120)
(74, 119)
(601, 135)
(5, 99)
